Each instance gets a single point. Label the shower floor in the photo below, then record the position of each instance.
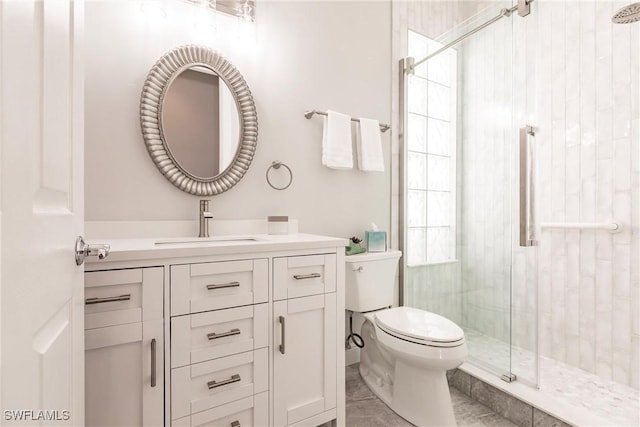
(582, 390)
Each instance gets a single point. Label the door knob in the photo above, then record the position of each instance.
(84, 250)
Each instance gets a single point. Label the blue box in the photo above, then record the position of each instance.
(376, 241)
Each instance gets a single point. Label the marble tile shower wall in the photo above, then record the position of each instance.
(583, 93)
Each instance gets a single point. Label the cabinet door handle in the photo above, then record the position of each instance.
(282, 332)
(153, 362)
(214, 384)
(125, 297)
(223, 285)
(215, 336)
(306, 276)
(235, 423)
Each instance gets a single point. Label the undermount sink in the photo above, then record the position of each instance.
(206, 240)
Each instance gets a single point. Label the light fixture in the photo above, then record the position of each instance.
(211, 4)
(246, 12)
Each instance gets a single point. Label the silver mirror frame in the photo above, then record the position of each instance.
(168, 67)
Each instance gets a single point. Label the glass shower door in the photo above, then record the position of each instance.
(461, 185)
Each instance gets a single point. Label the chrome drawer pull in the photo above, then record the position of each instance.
(234, 379)
(89, 301)
(306, 276)
(223, 285)
(235, 423)
(282, 331)
(214, 336)
(153, 362)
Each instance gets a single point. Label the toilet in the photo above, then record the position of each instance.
(406, 351)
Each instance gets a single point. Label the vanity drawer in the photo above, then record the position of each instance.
(210, 384)
(119, 297)
(215, 285)
(204, 336)
(248, 412)
(301, 276)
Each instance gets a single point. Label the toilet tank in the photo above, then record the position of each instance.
(369, 280)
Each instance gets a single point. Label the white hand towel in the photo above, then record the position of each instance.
(370, 157)
(336, 141)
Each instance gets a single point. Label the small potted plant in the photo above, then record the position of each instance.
(355, 246)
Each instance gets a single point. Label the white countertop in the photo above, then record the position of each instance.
(148, 248)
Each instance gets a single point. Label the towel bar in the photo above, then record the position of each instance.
(611, 227)
(308, 114)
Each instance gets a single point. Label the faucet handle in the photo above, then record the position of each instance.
(205, 216)
(204, 209)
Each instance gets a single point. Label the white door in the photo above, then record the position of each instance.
(41, 150)
(304, 361)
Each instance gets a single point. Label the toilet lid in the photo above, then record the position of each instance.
(415, 324)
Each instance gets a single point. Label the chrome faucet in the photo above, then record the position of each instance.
(205, 216)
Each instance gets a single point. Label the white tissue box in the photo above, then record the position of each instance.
(376, 241)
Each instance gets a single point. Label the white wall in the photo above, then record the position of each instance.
(309, 55)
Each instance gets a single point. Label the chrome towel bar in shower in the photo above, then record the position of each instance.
(308, 114)
(611, 227)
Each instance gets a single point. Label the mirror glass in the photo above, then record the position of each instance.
(200, 122)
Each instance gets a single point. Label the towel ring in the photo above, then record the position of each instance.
(276, 165)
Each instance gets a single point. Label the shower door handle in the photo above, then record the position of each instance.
(526, 188)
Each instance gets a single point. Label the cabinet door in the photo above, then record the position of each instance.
(124, 347)
(304, 376)
(124, 375)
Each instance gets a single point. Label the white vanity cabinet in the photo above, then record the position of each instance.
(305, 338)
(124, 345)
(219, 342)
(252, 334)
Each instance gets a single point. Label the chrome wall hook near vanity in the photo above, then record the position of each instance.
(276, 165)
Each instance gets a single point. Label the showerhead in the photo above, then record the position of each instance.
(627, 15)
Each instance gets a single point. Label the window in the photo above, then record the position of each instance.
(431, 154)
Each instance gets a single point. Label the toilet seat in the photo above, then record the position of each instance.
(420, 327)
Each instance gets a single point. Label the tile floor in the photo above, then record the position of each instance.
(568, 384)
(364, 409)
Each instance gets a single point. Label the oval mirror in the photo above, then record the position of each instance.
(198, 120)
